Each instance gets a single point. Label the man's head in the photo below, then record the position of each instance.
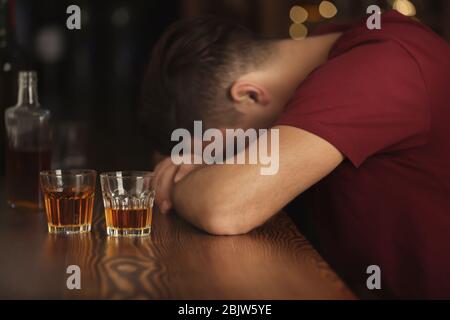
(204, 69)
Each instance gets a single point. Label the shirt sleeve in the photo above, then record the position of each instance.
(369, 100)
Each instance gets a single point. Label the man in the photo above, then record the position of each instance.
(363, 119)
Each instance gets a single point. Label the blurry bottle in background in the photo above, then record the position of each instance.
(8, 70)
(28, 145)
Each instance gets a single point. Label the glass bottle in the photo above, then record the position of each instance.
(28, 145)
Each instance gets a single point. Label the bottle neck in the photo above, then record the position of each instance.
(28, 94)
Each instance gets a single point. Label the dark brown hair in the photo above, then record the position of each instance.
(191, 70)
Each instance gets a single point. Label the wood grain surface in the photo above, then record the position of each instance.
(176, 262)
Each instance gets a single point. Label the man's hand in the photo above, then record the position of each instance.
(166, 175)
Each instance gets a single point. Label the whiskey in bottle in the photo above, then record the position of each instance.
(28, 145)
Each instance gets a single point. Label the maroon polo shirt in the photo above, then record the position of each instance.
(383, 100)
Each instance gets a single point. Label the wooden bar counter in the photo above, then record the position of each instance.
(176, 262)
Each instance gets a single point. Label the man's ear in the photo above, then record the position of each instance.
(244, 93)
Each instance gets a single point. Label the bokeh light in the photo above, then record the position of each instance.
(298, 14)
(405, 7)
(327, 9)
(298, 31)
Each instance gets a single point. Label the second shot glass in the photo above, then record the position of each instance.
(128, 200)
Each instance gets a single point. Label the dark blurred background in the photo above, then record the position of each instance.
(90, 79)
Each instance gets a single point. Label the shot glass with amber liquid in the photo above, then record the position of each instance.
(128, 200)
(69, 200)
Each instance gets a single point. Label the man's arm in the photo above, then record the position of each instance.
(234, 199)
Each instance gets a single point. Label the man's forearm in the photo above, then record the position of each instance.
(216, 198)
(233, 199)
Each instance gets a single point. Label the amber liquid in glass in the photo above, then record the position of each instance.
(22, 177)
(128, 221)
(69, 211)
